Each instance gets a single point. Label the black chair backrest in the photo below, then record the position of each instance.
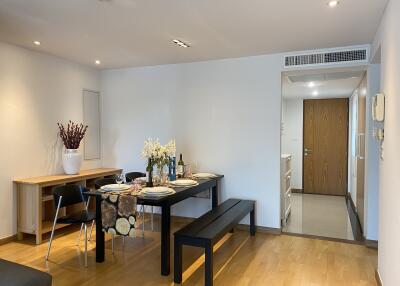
(71, 194)
(102, 182)
(130, 177)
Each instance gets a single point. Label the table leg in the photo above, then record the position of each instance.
(38, 214)
(99, 233)
(253, 222)
(165, 239)
(214, 195)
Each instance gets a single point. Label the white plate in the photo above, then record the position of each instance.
(204, 175)
(157, 191)
(184, 182)
(116, 187)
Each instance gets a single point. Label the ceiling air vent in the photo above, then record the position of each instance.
(327, 58)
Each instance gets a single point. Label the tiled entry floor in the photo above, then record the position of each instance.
(319, 215)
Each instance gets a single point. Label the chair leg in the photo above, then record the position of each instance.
(112, 243)
(79, 237)
(152, 221)
(51, 240)
(91, 231)
(85, 226)
(143, 220)
(53, 228)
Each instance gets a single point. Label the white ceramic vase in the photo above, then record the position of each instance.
(72, 161)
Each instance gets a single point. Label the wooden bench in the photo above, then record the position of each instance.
(208, 230)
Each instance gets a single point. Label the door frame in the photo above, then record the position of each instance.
(347, 157)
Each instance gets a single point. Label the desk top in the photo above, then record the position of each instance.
(57, 179)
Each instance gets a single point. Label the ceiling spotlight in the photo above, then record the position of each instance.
(37, 43)
(364, 91)
(315, 93)
(333, 3)
(181, 44)
(311, 84)
(97, 62)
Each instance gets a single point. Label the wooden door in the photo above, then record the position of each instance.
(325, 146)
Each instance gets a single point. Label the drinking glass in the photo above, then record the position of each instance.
(119, 178)
(187, 169)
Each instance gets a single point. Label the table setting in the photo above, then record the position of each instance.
(167, 182)
(162, 183)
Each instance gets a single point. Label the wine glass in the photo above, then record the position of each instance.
(119, 178)
(188, 171)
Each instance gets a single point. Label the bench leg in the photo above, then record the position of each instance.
(209, 265)
(252, 222)
(177, 261)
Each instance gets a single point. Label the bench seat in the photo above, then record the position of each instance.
(208, 229)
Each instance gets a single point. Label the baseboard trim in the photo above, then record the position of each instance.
(297, 191)
(378, 278)
(354, 219)
(8, 239)
(261, 229)
(371, 243)
(311, 236)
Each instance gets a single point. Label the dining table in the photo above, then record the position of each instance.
(165, 203)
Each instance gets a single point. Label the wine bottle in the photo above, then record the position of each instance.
(172, 169)
(149, 174)
(180, 170)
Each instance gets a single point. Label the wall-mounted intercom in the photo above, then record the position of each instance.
(378, 107)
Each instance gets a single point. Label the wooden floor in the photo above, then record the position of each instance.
(239, 260)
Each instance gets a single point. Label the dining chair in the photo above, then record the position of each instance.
(130, 177)
(104, 181)
(68, 195)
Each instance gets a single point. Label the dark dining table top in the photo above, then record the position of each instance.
(180, 192)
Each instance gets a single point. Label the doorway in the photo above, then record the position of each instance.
(325, 141)
(317, 134)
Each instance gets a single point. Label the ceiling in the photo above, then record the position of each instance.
(336, 83)
(125, 33)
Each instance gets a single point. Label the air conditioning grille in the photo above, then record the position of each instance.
(358, 55)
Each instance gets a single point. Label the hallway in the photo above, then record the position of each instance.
(319, 215)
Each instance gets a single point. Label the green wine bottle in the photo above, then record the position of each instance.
(180, 167)
(149, 174)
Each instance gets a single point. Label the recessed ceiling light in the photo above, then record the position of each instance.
(181, 44)
(333, 3)
(97, 62)
(311, 84)
(315, 93)
(364, 91)
(37, 43)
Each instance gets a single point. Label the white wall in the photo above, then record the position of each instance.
(371, 210)
(388, 38)
(224, 115)
(36, 92)
(292, 138)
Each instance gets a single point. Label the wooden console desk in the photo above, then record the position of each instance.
(35, 199)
